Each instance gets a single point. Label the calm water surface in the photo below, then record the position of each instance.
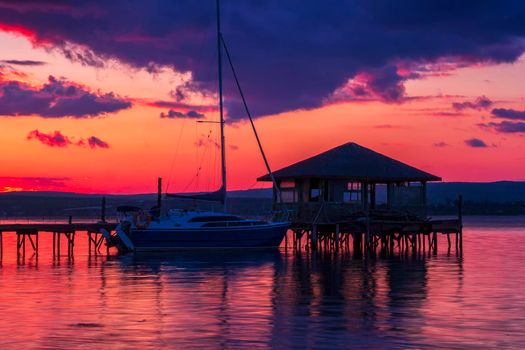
(270, 299)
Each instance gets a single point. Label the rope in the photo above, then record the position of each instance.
(175, 156)
(250, 117)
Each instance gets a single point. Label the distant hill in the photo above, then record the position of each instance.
(500, 192)
(504, 197)
(443, 192)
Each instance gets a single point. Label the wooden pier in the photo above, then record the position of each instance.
(27, 237)
(351, 193)
(385, 236)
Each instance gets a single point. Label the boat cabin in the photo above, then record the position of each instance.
(346, 180)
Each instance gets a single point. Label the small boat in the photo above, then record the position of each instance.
(193, 230)
(182, 229)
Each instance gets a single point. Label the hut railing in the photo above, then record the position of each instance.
(336, 212)
(320, 212)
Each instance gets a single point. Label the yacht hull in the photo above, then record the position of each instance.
(257, 236)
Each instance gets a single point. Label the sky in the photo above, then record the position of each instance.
(104, 97)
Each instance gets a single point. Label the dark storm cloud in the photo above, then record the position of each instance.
(384, 84)
(56, 99)
(289, 54)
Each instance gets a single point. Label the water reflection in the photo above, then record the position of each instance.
(262, 299)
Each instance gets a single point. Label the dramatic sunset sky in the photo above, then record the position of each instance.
(104, 96)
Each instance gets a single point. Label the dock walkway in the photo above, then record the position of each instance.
(30, 233)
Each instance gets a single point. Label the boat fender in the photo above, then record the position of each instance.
(143, 220)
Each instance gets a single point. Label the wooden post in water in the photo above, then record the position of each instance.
(460, 219)
(313, 237)
(58, 245)
(336, 238)
(367, 233)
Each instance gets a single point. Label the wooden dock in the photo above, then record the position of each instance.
(386, 235)
(370, 230)
(27, 236)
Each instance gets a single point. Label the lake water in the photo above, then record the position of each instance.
(277, 299)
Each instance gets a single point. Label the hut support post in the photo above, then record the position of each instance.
(336, 238)
(460, 219)
(313, 237)
(58, 245)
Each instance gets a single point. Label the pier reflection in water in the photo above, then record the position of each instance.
(262, 299)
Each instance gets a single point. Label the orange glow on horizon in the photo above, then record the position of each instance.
(423, 131)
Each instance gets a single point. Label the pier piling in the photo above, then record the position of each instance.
(27, 237)
(369, 236)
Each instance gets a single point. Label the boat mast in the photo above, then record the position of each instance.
(221, 122)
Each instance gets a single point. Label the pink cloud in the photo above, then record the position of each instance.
(172, 114)
(57, 139)
(53, 139)
(57, 98)
(482, 102)
(384, 84)
(95, 142)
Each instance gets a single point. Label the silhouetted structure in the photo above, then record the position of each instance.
(336, 192)
(343, 181)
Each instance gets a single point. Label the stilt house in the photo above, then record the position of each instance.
(347, 182)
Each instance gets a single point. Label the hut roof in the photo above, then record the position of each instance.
(354, 162)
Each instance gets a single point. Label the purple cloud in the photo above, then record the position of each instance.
(505, 113)
(288, 57)
(95, 142)
(384, 84)
(24, 62)
(172, 114)
(506, 127)
(476, 143)
(56, 99)
(180, 105)
(482, 102)
(57, 139)
(53, 139)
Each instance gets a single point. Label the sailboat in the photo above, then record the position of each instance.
(182, 229)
